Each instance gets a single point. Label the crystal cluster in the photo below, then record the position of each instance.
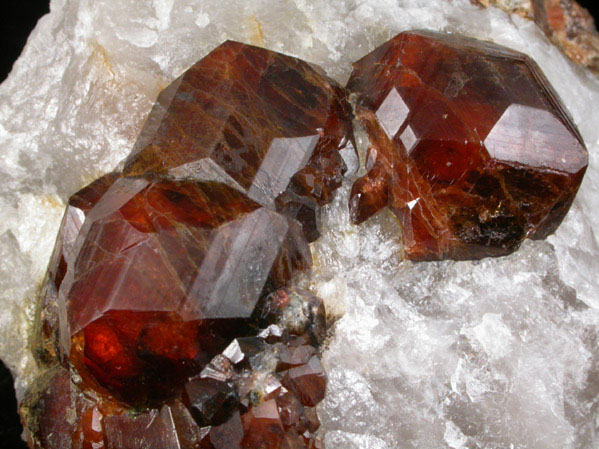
(260, 392)
(171, 315)
(469, 146)
(168, 297)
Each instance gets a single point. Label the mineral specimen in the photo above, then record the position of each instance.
(469, 146)
(493, 354)
(167, 288)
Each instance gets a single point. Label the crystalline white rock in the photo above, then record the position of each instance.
(501, 353)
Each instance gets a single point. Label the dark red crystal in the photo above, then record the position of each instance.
(262, 426)
(308, 381)
(58, 415)
(469, 146)
(45, 407)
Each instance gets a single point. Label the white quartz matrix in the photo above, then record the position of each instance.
(501, 353)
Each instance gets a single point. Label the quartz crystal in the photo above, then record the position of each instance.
(469, 146)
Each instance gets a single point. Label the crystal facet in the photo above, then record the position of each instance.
(77, 209)
(469, 146)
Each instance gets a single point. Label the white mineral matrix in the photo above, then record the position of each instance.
(501, 353)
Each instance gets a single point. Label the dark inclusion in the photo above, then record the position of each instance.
(168, 317)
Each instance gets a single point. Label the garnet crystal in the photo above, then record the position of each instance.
(268, 124)
(469, 146)
(166, 273)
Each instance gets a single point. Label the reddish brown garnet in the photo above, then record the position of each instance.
(469, 146)
(58, 415)
(269, 124)
(164, 275)
(167, 301)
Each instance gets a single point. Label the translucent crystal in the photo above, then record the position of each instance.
(470, 147)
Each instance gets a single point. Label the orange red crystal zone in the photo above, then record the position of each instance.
(242, 403)
(469, 146)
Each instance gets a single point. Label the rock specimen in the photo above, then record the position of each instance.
(434, 355)
(470, 147)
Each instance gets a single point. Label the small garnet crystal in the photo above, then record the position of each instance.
(470, 147)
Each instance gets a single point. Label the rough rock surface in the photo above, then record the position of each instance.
(498, 353)
(565, 22)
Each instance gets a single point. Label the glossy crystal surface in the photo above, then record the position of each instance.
(166, 273)
(268, 124)
(79, 205)
(469, 146)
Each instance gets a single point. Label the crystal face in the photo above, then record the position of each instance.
(77, 209)
(469, 146)
(268, 124)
